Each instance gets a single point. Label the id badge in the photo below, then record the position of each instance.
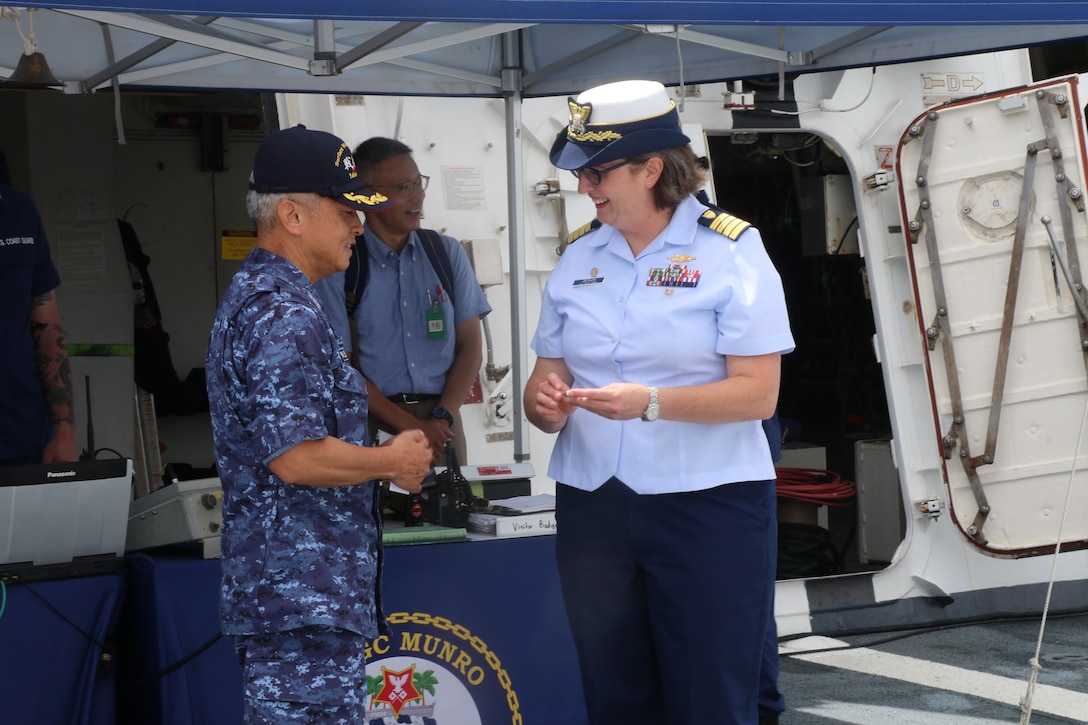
(436, 323)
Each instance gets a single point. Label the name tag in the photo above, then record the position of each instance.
(436, 323)
(588, 281)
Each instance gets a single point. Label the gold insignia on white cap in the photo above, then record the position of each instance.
(579, 116)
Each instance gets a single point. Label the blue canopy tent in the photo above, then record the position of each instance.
(497, 47)
(511, 49)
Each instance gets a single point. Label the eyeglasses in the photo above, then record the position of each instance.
(593, 176)
(408, 187)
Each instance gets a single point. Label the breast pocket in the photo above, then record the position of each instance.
(345, 417)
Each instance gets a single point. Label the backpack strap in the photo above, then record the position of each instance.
(356, 275)
(440, 259)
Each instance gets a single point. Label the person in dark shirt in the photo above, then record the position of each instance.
(36, 418)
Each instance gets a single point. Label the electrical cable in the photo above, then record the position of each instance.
(806, 550)
(173, 667)
(102, 646)
(814, 485)
(89, 637)
(899, 633)
(845, 234)
(105, 649)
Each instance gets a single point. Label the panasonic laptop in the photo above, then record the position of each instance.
(63, 519)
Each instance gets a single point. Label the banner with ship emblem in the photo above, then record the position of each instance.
(433, 671)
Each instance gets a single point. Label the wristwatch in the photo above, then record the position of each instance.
(442, 413)
(653, 409)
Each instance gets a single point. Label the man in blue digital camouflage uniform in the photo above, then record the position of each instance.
(301, 539)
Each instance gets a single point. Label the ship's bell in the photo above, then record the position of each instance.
(32, 72)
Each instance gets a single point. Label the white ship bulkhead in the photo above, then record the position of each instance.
(916, 557)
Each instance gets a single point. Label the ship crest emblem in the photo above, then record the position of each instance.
(397, 689)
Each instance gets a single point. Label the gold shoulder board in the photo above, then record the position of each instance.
(725, 224)
(582, 231)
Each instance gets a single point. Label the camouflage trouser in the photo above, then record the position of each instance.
(309, 675)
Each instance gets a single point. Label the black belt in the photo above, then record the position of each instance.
(412, 398)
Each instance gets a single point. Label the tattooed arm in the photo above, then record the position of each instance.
(51, 357)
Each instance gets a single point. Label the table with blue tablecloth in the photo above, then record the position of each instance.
(57, 645)
(479, 625)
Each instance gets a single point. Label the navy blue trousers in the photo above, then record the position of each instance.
(669, 598)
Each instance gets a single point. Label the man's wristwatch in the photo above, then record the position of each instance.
(442, 414)
(653, 409)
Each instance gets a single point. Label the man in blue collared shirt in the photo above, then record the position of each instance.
(418, 347)
(301, 537)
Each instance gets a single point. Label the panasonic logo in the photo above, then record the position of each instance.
(59, 474)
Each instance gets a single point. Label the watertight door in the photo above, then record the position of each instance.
(993, 201)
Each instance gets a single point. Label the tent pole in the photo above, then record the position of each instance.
(511, 91)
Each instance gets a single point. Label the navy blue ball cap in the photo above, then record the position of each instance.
(302, 160)
(615, 121)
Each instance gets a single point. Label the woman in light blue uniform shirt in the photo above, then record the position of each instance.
(658, 354)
